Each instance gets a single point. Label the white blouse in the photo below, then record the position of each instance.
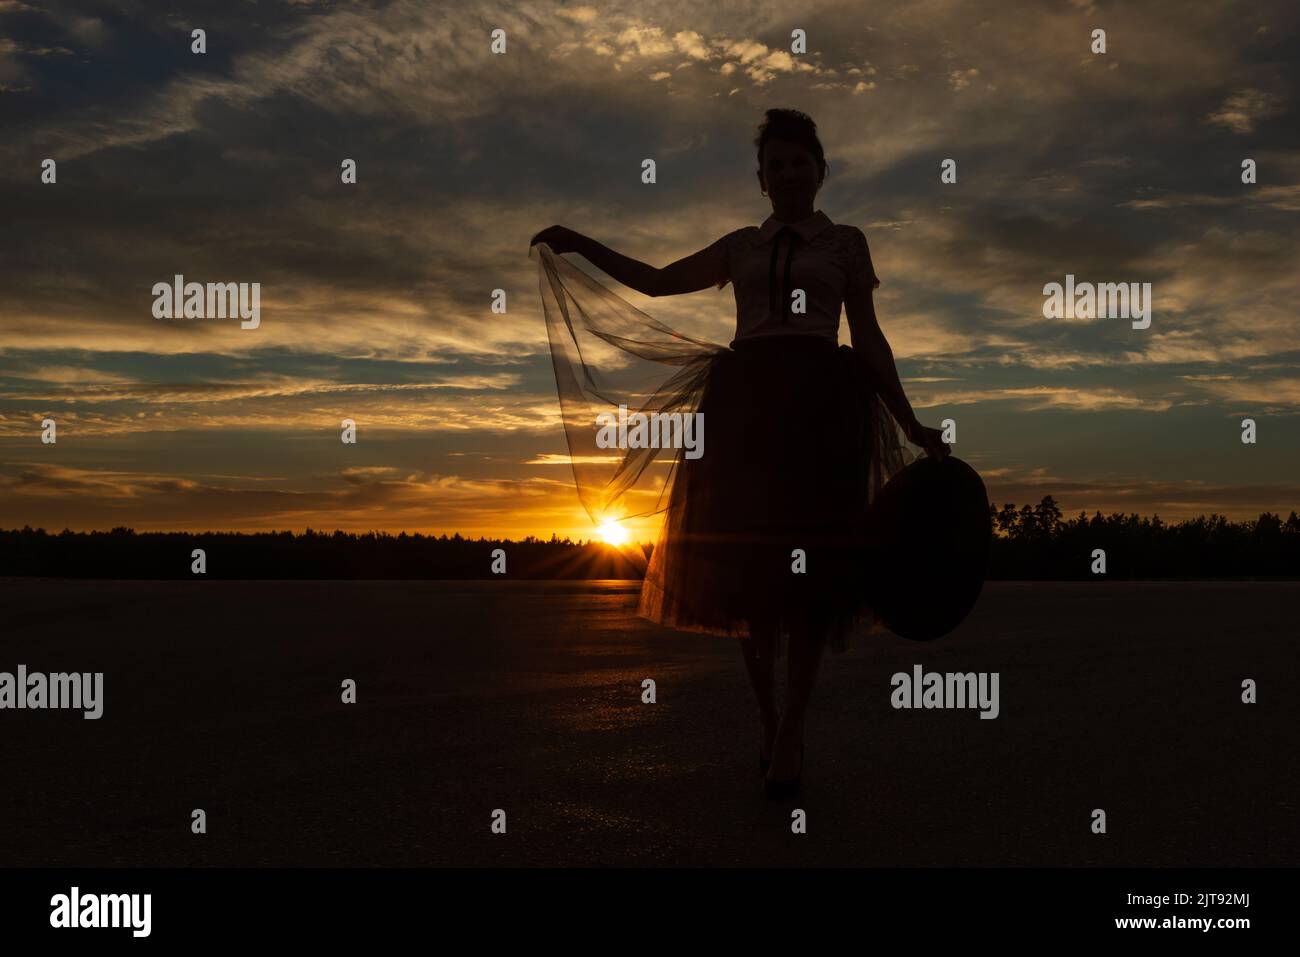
(767, 264)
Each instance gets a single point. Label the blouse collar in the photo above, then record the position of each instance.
(806, 228)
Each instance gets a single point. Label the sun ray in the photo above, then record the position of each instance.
(612, 533)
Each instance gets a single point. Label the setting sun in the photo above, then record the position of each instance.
(613, 533)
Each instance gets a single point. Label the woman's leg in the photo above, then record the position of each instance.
(807, 642)
(760, 661)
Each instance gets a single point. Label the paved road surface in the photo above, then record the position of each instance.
(525, 696)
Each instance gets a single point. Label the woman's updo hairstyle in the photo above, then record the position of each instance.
(796, 127)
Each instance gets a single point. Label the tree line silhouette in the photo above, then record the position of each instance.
(1036, 543)
(1029, 543)
(125, 553)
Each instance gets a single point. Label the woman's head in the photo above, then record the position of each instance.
(791, 161)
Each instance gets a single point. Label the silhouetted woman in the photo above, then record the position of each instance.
(763, 534)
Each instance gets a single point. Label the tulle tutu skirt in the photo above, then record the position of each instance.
(768, 525)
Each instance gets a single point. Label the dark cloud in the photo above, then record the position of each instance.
(225, 167)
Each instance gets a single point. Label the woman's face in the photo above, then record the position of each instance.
(789, 174)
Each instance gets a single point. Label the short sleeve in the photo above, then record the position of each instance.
(722, 260)
(862, 274)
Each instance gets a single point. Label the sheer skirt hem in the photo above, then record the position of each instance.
(768, 529)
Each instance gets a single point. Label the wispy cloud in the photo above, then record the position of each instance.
(1243, 109)
(377, 298)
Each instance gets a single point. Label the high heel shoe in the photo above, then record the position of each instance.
(788, 787)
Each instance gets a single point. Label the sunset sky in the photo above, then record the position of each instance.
(376, 297)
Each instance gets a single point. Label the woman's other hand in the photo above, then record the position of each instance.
(561, 239)
(929, 439)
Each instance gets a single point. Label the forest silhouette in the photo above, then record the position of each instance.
(1030, 543)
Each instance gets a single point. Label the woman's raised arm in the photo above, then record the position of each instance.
(698, 271)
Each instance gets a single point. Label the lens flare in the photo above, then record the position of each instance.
(613, 533)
